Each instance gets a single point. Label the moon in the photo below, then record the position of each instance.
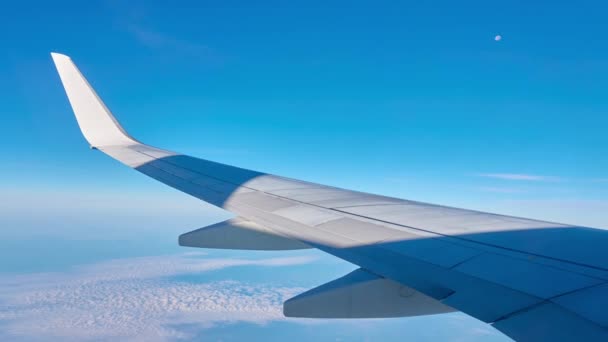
(498, 38)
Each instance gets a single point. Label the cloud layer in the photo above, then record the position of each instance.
(136, 299)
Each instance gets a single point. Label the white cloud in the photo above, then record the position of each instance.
(501, 190)
(135, 19)
(135, 299)
(519, 177)
(161, 40)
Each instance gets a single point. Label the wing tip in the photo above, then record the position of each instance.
(59, 56)
(96, 122)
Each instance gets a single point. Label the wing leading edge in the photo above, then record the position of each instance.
(531, 279)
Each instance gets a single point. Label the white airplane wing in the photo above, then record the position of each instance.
(530, 279)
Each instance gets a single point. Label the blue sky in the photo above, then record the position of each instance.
(414, 100)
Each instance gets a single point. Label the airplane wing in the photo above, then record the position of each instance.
(530, 279)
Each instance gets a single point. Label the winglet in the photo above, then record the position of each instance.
(96, 122)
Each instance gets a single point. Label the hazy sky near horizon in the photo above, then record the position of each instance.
(413, 100)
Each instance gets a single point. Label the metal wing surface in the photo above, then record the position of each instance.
(530, 279)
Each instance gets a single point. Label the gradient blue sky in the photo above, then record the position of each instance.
(414, 100)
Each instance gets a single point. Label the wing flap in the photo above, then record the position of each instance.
(361, 294)
(576, 245)
(538, 280)
(238, 233)
(550, 322)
